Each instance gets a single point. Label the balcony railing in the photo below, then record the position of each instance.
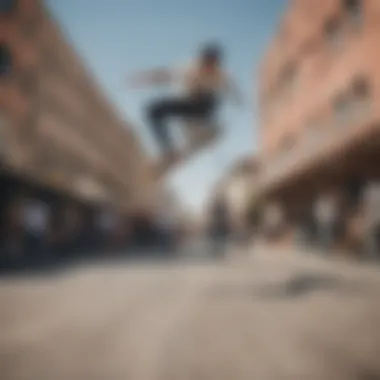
(357, 118)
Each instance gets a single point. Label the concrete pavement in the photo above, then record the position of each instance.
(257, 318)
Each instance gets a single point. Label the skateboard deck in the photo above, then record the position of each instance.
(200, 135)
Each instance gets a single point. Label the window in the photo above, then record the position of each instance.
(361, 89)
(288, 76)
(53, 64)
(7, 5)
(355, 10)
(309, 47)
(333, 32)
(3, 121)
(282, 34)
(27, 82)
(355, 189)
(287, 143)
(29, 27)
(361, 98)
(29, 126)
(342, 108)
(56, 108)
(5, 60)
(353, 106)
(47, 154)
(313, 130)
(51, 61)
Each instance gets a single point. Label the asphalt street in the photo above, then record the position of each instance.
(266, 318)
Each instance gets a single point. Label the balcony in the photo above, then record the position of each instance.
(333, 138)
(89, 189)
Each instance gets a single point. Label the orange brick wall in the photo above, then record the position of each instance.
(322, 72)
(64, 108)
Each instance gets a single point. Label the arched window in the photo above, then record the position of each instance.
(5, 60)
(7, 5)
(342, 108)
(333, 31)
(361, 89)
(354, 8)
(28, 82)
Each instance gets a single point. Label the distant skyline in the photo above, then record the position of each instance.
(118, 37)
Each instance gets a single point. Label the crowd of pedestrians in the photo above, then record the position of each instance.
(35, 233)
(346, 219)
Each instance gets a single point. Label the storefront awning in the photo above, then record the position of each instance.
(333, 144)
(90, 190)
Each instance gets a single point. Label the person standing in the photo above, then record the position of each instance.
(326, 215)
(36, 222)
(220, 227)
(372, 220)
(107, 225)
(12, 250)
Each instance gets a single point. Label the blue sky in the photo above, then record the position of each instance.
(117, 37)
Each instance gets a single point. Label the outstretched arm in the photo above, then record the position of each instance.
(152, 78)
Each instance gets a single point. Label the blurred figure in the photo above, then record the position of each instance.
(142, 232)
(71, 232)
(56, 236)
(116, 232)
(372, 220)
(273, 221)
(36, 217)
(107, 224)
(166, 223)
(12, 240)
(219, 227)
(326, 216)
(204, 82)
(122, 233)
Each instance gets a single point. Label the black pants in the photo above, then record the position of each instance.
(200, 106)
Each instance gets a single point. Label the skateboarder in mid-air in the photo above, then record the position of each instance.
(203, 82)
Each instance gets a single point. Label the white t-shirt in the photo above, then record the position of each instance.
(194, 78)
(36, 217)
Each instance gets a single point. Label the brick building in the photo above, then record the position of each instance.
(319, 101)
(56, 126)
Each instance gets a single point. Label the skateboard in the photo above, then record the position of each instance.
(200, 135)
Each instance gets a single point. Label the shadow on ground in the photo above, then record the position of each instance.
(139, 257)
(299, 285)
